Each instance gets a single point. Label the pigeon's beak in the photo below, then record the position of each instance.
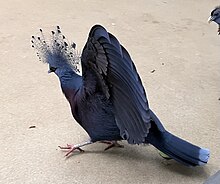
(210, 19)
(49, 71)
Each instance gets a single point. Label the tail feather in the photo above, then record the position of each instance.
(177, 148)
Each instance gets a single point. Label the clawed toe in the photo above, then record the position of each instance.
(112, 144)
(70, 148)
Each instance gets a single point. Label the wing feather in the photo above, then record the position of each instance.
(116, 71)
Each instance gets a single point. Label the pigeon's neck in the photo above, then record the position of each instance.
(70, 84)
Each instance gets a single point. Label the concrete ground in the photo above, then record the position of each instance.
(171, 37)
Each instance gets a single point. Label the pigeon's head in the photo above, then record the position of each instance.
(215, 17)
(60, 56)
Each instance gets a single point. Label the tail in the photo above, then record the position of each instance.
(176, 148)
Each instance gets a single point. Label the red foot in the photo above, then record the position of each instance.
(71, 148)
(112, 144)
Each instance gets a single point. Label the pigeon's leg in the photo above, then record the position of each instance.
(72, 147)
(111, 144)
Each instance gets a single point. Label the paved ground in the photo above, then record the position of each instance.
(214, 179)
(171, 37)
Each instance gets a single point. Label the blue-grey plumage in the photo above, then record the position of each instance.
(108, 100)
(215, 17)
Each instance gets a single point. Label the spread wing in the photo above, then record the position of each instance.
(107, 66)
